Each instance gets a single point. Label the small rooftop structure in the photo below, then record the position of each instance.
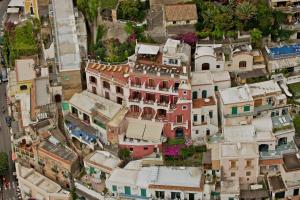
(236, 95)
(25, 69)
(104, 160)
(144, 130)
(180, 12)
(89, 103)
(263, 88)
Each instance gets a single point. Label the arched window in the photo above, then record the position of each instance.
(242, 64)
(205, 66)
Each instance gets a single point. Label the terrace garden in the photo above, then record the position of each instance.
(20, 40)
(180, 152)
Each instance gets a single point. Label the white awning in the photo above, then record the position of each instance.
(148, 49)
(135, 130)
(144, 130)
(153, 132)
(12, 10)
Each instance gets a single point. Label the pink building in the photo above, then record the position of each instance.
(151, 91)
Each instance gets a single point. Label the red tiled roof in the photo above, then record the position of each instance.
(181, 12)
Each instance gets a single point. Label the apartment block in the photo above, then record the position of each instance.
(35, 185)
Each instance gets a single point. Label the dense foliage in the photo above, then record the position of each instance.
(217, 21)
(133, 10)
(90, 7)
(21, 40)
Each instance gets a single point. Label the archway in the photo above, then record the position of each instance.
(263, 147)
(179, 132)
(57, 98)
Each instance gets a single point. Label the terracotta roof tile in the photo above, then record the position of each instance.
(181, 12)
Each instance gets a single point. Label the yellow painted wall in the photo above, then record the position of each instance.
(27, 83)
(34, 4)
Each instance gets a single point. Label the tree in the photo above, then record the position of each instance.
(256, 37)
(124, 154)
(3, 163)
(264, 17)
(245, 11)
(131, 10)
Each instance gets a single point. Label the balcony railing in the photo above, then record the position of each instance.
(238, 114)
(263, 108)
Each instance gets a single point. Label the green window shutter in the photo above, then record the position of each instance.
(143, 193)
(246, 108)
(127, 190)
(65, 106)
(234, 110)
(114, 188)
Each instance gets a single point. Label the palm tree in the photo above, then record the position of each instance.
(245, 11)
(209, 14)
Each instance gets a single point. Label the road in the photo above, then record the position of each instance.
(8, 193)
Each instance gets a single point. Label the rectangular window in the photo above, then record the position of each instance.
(195, 117)
(248, 173)
(145, 148)
(246, 108)
(248, 163)
(216, 88)
(232, 174)
(211, 114)
(143, 192)
(232, 164)
(127, 190)
(234, 110)
(114, 188)
(160, 194)
(179, 118)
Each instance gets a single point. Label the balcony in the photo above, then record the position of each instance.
(150, 87)
(163, 104)
(149, 101)
(271, 154)
(243, 114)
(127, 196)
(262, 108)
